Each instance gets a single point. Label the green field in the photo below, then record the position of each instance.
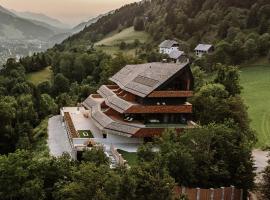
(110, 44)
(40, 76)
(131, 158)
(255, 80)
(127, 35)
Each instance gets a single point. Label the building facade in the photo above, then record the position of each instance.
(142, 102)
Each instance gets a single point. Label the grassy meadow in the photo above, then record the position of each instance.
(255, 80)
(40, 76)
(110, 44)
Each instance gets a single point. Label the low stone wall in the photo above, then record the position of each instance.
(118, 157)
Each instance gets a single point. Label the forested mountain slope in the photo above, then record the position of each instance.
(188, 20)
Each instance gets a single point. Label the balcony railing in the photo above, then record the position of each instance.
(158, 94)
(141, 109)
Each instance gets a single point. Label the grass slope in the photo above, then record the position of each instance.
(110, 44)
(127, 35)
(255, 80)
(40, 76)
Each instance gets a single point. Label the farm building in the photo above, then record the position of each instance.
(202, 49)
(177, 56)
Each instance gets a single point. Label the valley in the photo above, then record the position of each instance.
(16, 48)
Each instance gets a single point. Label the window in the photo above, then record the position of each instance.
(104, 136)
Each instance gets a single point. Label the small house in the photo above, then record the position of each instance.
(167, 46)
(177, 56)
(203, 49)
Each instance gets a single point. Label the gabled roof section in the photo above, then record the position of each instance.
(143, 79)
(176, 54)
(203, 47)
(168, 44)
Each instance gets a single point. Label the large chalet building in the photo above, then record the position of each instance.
(142, 102)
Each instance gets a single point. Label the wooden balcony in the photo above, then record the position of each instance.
(143, 109)
(170, 94)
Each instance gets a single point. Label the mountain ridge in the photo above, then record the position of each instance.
(42, 18)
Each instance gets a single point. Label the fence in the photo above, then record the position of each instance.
(223, 193)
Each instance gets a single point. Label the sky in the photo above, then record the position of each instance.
(68, 11)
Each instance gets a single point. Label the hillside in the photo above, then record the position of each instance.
(13, 27)
(190, 21)
(82, 25)
(127, 35)
(110, 44)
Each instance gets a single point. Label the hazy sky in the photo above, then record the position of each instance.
(68, 11)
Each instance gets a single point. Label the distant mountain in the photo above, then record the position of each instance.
(3, 10)
(42, 18)
(58, 38)
(14, 27)
(82, 25)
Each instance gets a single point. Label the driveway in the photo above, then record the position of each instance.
(260, 158)
(58, 141)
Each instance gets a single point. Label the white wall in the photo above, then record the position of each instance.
(167, 50)
(200, 53)
(117, 139)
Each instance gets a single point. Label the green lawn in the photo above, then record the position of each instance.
(85, 134)
(131, 158)
(255, 80)
(40, 76)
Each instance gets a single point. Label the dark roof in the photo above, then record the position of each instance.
(168, 44)
(113, 100)
(203, 47)
(143, 79)
(176, 54)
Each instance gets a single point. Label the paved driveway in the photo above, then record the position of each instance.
(58, 141)
(260, 158)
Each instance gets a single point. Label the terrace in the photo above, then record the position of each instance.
(122, 102)
(113, 122)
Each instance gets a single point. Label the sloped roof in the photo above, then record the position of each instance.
(203, 47)
(167, 44)
(176, 54)
(113, 100)
(143, 79)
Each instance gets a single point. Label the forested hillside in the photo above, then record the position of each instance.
(238, 29)
(187, 20)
